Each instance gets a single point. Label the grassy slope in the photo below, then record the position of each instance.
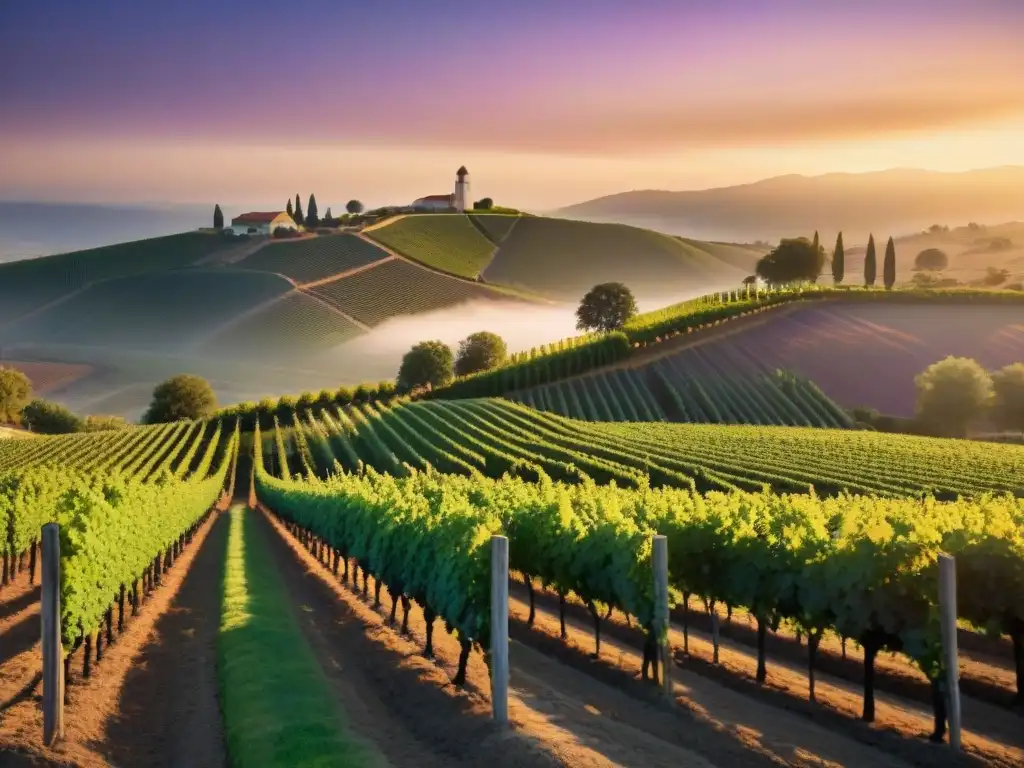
(448, 242)
(278, 709)
(314, 258)
(564, 259)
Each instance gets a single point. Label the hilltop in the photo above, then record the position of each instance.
(893, 202)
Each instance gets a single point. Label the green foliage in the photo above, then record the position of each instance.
(181, 397)
(870, 263)
(428, 363)
(480, 351)
(289, 210)
(606, 307)
(354, 206)
(312, 214)
(889, 267)
(485, 204)
(1008, 400)
(99, 423)
(15, 393)
(297, 216)
(952, 394)
(838, 261)
(49, 418)
(792, 261)
(931, 260)
(218, 217)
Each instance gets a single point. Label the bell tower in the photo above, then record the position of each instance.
(462, 199)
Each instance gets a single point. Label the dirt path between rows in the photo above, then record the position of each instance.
(152, 700)
(406, 705)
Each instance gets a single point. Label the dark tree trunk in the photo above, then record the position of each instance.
(405, 615)
(728, 615)
(597, 629)
(366, 582)
(99, 645)
(528, 581)
(334, 568)
(1017, 636)
(32, 563)
(5, 579)
(460, 675)
(428, 618)
(120, 610)
(87, 658)
(21, 562)
(650, 655)
(843, 644)
(939, 710)
(714, 632)
(67, 676)
(110, 625)
(135, 598)
(686, 622)
(762, 667)
(344, 573)
(394, 607)
(376, 593)
(561, 614)
(813, 639)
(870, 652)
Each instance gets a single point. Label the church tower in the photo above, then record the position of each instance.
(462, 199)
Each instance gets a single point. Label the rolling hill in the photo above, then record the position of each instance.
(445, 242)
(891, 202)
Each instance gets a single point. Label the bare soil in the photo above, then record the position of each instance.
(992, 735)
(152, 700)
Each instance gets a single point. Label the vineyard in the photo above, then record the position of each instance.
(294, 325)
(398, 287)
(306, 261)
(662, 392)
(28, 285)
(564, 259)
(160, 309)
(860, 567)
(494, 226)
(447, 242)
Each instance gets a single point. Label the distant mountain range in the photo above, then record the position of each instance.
(30, 229)
(892, 202)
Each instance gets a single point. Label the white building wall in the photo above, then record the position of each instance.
(462, 198)
(431, 205)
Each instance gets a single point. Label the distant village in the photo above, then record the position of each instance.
(291, 221)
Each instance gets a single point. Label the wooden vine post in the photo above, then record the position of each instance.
(661, 613)
(947, 606)
(499, 628)
(53, 662)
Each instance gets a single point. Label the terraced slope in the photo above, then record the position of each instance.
(860, 353)
(496, 436)
(448, 242)
(315, 258)
(564, 259)
(294, 325)
(663, 393)
(398, 287)
(495, 226)
(28, 285)
(166, 309)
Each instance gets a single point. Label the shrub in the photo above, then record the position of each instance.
(99, 423)
(995, 276)
(181, 397)
(343, 396)
(283, 233)
(931, 260)
(1008, 400)
(48, 418)
(480, 351)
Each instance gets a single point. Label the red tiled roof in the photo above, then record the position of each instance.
(438, 198)
(257, 217)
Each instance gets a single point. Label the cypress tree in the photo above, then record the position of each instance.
(218, 218)
(289, 211)
(889, 268)
(312, 219)
(869, 263)
(838, 261)
(816, 243)
(299, 218)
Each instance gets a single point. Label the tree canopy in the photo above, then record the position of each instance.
(181, 397)
(48, 418)
(791, 261)
(931, 260)
(484, 204)
(427, 363)
(480, 351)
(1008, 400)
(297, 216)
(312, 214)
(218, 217)
(15, 393)
(606, 307)
(870, 262)
(354, 206)
(889, 267)
(838, 260)
(951, 394)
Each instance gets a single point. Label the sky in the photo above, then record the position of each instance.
(547, 102)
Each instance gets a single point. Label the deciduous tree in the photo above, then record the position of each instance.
(931, 260)
(15, 394)
(181, 397)
(429, 362)
(838, 261)
(870, 265)
(952, 394)
(792, 260)
(354, 206)
(606, 307)
(480, 351)
(48, 418)
(889, 268)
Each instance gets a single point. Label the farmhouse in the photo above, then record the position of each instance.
(261, 222)
(459, 200)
